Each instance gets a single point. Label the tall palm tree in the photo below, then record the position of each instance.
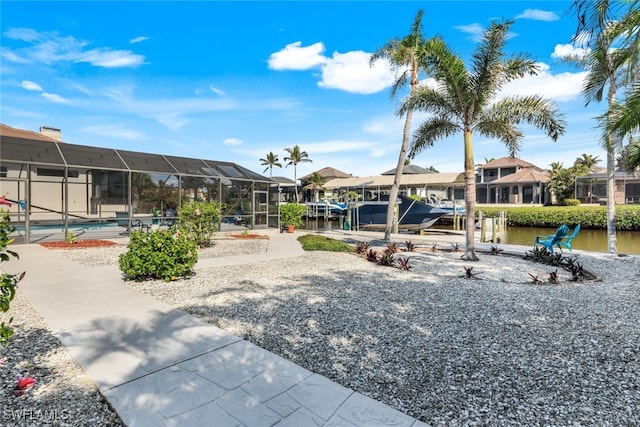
(296, 156)
(315, 183)
(270, 161)
(609, 63)
(464, 100)
(404, 56)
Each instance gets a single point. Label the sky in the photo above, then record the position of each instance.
(233, 81)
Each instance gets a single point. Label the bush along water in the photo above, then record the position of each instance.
(589, 217)
(8, 282)
(200, 220)
(162, 254)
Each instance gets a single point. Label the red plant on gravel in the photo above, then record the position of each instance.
(89, 243)
(23, 384)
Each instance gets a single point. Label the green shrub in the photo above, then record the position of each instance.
(291, 214)
(589, 217)
(199, 220)
(163, 254)
(8, 282)
(572, 202)
(314, 242)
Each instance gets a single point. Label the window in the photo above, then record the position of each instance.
(3, 171)
(56, 172)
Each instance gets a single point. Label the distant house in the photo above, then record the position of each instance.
(511, 180)
(592, 188)
(328, 174)
(287, 188)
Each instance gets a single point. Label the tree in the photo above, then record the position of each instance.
(270, 161)
(464, 100)
(586, 163)
(403, 55)
(612, 59)
(315, 183)
(296, 156)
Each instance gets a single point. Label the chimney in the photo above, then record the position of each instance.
(54, 133)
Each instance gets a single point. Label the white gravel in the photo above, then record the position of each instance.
(495, 349)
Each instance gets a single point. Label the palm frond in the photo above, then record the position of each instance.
(533, 110)
(430, 100)
(502, 130)
(433, 129)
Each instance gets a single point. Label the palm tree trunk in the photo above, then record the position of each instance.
(469, 197)
(395, 188)
(611, 177)
(295, 183)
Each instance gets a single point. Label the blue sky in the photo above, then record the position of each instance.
(232, 81)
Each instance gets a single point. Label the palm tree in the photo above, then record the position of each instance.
(464, 101)
(270, 161)
(403, 55)
(315, 183)
(609, 62)
(586, 162)
(296, 156)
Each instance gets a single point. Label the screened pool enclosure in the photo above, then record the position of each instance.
(52, 184)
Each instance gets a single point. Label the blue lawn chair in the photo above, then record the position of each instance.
(553, 239)
(566, 242)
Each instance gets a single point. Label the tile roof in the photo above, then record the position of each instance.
(23, 134)
(507, 162)
(526, 175)
(328, 172)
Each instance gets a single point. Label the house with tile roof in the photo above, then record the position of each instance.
(512, 180)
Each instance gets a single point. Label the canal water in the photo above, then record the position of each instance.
(628, 242)
(588, 240)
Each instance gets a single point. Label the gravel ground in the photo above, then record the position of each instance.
(494, 349)
(63, 394)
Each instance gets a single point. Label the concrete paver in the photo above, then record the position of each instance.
(160, 366)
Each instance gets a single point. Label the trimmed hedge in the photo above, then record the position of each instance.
(591, 217)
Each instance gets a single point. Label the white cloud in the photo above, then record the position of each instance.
(138, 39)
(563, 51)
(49, 48)
(29, 85)
(217, 91)
(110, 58)
(114, 130)
(538, 15)
(351, 72)
(296, 57)
(232, 141)
(336, 146)
(54, 98)
(474, 30)
(562, 87)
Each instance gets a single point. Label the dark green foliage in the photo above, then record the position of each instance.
(553, 277)
(543, 256)
(388, 258)
(589, 217)
(8, 282)
(316, 242)
(162, 254)
(362, 248)
(409, 246)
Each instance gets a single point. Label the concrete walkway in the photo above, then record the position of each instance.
(158, 366)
